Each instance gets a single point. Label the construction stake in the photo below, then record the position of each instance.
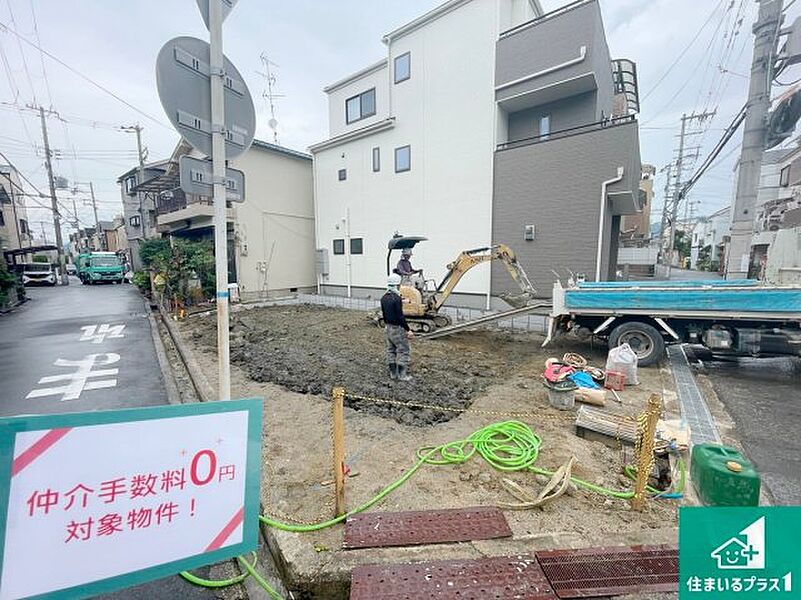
(646, 434)
(338, 439)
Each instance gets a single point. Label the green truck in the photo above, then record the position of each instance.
(95, 267)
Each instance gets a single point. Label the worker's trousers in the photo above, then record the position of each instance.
(398, 350)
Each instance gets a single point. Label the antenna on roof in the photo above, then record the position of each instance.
(268, 92)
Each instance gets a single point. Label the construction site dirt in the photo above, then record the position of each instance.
(293, 355)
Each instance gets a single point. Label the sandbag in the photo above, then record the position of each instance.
(623, 360)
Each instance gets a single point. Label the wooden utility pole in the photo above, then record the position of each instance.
(54, 201)
(100, 235)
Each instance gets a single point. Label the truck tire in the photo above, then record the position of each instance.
(647, 343)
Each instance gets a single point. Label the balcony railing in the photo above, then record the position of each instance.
(546, 17)
(566, 133)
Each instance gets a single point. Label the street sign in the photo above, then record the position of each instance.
(109, 499)
(197, 175)
(183, 79)
(203, 5)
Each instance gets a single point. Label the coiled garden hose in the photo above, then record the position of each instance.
(506, 446)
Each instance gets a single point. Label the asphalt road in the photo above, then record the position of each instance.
(99, 327)
(762, 396)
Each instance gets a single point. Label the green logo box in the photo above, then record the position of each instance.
(739, 552)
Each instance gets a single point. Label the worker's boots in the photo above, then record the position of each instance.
(393, 371)
(403, 374)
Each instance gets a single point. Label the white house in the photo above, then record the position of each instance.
(468, 90)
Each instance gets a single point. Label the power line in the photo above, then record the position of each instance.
(99, 86)
(22, 52)
(684, 51)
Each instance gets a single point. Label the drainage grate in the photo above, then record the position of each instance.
(694, 409)
(370, 530)
(482, 579)
(593, 572)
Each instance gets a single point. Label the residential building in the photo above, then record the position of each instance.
(270, 234)
(487, 122)
(709, 237)
(14, 229)
(139, 206)
(636, 228)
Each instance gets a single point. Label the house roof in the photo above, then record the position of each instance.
(355, 76)
(281, 149)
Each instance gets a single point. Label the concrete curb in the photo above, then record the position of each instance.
(161, 355)
(265, 551)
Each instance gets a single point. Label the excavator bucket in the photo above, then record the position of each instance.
(516, 300)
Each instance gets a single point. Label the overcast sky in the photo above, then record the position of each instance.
(316, 42)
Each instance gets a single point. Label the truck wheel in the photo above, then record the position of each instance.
(647, 343)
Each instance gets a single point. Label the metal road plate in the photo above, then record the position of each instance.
(593, 572)
(203, 5)
(196, 176)
(517, 577)
(183, 80)
(376, 529)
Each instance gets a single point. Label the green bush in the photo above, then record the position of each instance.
(178, 262)
(41, 258)
(141, 280)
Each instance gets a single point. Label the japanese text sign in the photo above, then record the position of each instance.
(92, 502)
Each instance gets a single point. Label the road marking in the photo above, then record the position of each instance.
(98, 333)
(78, 381)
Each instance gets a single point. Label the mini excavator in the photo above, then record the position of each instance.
(423, 298)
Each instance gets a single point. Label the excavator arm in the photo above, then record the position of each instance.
(470, 258)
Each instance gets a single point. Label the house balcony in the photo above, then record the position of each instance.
(555, 56)
(176, 211)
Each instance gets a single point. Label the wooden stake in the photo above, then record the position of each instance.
(338, 439)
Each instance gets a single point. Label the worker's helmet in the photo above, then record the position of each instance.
(394, 280)
(406, 252)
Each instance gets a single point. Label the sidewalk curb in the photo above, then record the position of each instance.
(161, 355)
(206, 394)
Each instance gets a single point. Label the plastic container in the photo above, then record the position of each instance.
(723, 477)
(561, 395)
(615, 381)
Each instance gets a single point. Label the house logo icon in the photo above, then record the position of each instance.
(746, 550)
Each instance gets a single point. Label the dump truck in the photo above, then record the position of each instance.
(736, 317)
(97, 267)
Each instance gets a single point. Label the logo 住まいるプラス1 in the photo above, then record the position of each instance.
(738, 552)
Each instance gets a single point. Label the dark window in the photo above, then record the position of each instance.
(356, 246)
(135, 221)
(360, 106)
(403, 159)
(376, 159)
(339, 246)
(130, 183)
(342, 174)
(23, 226)
(784, 177)
(2, 219)
(403, 67)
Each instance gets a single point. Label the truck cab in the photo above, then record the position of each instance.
(98, 267)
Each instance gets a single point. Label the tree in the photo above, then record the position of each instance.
(179, 261)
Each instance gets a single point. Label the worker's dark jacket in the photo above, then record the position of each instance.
(392, 310)
(404, 267)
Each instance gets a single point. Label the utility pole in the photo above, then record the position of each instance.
(677, 178)
(665, 207)
(766, 35)
(56, 216)
(140, 174)
(100, 235)
(220, 220)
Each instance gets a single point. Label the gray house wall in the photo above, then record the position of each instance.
(551, 41)
(565, 114)
(555, 185)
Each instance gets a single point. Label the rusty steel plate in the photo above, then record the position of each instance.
(377, 529)
(500, 578)
(592, 572)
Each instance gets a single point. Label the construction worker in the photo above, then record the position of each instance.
(404, 268)
(397, 330)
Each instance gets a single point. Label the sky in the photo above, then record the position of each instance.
(691, 55)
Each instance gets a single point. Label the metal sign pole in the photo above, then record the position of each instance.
(220, 225)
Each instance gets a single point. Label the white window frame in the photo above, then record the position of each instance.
(408, 57)
(408, 148)
(376, 156)
(545, 127)
(359, 98)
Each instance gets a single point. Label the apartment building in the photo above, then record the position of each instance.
(270, 234)
(487, 122)
(14, 229)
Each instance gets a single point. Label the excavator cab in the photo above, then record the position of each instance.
(422, 302)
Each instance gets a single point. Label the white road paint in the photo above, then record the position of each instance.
(98, 333)
(78, 381)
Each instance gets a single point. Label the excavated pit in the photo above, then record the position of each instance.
(311, 349)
